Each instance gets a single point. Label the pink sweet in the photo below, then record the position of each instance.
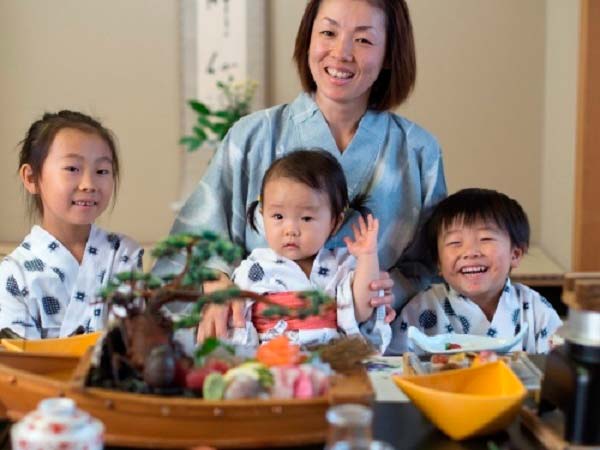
(488, 356)
(284, 381)
(304, 386)
(320, 381)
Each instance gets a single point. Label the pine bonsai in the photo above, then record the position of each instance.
(139, 352)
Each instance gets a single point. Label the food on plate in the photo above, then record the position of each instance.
(279, 352)
(452, 346)
(484, 357)
(444, 361)
(447, 362)
(279, 371)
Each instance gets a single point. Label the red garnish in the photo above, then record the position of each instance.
(57, 428)
(195, 378)
(279, 352)
(439, 359)
(452, 346)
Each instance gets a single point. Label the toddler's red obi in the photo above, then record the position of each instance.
(327, 319)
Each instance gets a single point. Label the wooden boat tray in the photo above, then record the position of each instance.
(151, 421)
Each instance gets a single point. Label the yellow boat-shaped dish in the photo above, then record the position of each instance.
(70, 346)
(467, 402)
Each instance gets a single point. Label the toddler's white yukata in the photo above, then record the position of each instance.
(46, 293)
(333, 271)
(441, 309)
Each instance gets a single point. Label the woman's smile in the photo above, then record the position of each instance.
(339, 74)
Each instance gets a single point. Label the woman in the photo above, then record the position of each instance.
(356, 60)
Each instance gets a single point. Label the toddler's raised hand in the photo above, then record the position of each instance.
(365, 237)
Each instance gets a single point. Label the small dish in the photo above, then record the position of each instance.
(72, 346)
(467, 342)
(467, 402)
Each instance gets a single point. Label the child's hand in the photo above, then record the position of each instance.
(365, 237)
(382, 295)
(215, 317)
(364, 249)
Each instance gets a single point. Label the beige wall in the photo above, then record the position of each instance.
(558, 156)
(284, 18)
(113, 59)
(480, 91)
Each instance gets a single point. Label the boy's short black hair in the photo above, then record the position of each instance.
(475, 204)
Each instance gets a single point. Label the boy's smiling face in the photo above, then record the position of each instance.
(476, 259)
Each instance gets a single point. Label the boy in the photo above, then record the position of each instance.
(478, 236)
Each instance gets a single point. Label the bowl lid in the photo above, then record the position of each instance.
(60, 417)
(582, 327)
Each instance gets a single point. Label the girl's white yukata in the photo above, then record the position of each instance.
(333, 270)
(441, 309)
(46, 293)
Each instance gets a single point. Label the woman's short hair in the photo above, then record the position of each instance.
(398, 74)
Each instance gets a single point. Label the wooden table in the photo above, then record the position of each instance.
(403, 425)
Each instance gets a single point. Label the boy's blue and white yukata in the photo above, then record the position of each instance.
(264, 271)
(392, 160)
(46, 293)
(440, 309)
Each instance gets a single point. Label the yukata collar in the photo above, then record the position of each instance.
(42, 236)
(45, 236)
(453, 293)
(55, 252)
(505, 295)
(304, 108)
(272, 256)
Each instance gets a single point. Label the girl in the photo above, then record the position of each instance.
(302, 203)
(68, 164)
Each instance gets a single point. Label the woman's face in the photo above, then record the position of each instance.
(346, 51)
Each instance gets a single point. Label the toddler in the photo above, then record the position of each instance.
(69, 167)
(478, 236)
(303, 201)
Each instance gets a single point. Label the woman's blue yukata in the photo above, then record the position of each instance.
(46, 293)
(394, 161)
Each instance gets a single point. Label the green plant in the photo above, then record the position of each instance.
(140, 346)
(187, 286)
(213, 124)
